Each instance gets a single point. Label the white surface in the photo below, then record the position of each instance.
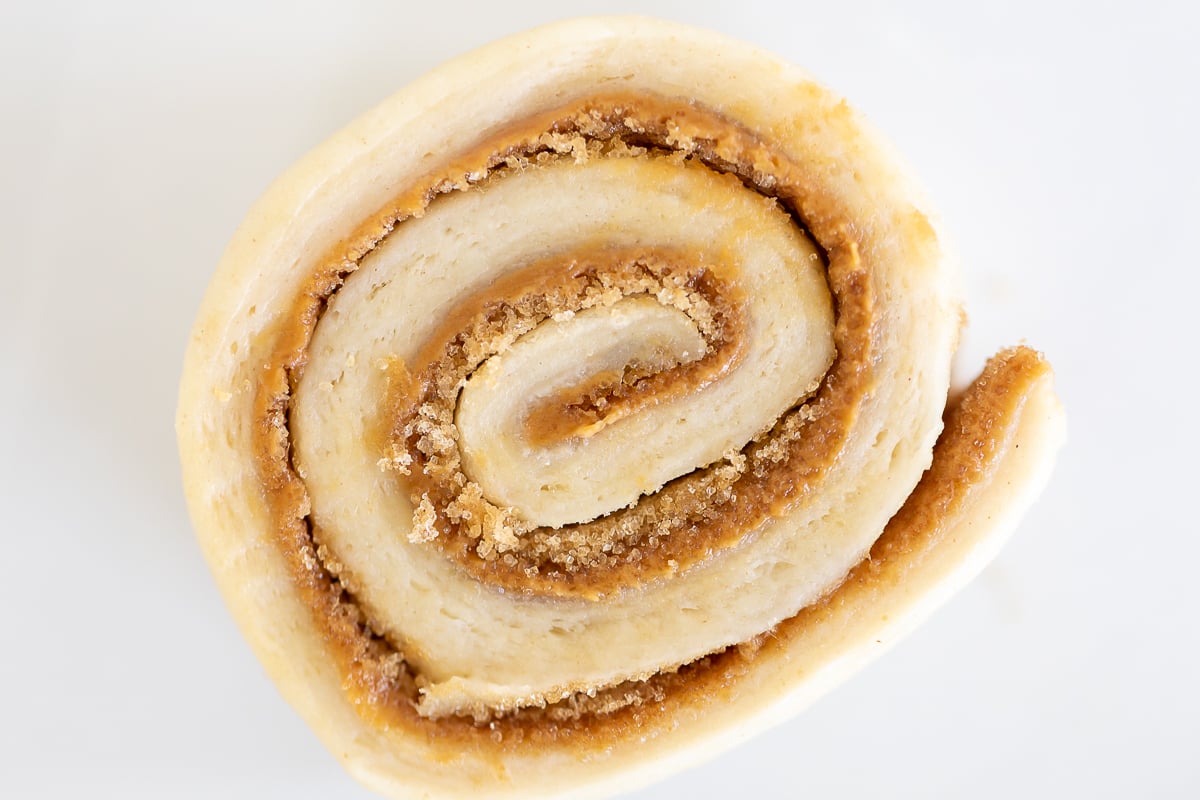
(1058, 139)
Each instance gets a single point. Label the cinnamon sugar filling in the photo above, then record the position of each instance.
(681, 524)
(491, 542)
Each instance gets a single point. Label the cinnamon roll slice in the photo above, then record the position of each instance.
(583, 408)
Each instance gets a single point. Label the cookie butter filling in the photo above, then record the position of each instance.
(542, 410)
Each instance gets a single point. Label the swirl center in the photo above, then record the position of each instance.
(541, 429)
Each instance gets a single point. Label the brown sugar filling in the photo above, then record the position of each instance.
(784, 468)
(691, 518)
(620, 548)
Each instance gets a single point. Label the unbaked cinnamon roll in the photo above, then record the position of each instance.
(583, 409)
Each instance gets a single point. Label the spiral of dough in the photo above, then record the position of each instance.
(582, 404)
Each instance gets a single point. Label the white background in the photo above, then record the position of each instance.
(1059, 142)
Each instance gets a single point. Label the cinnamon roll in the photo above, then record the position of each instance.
(583, 409)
